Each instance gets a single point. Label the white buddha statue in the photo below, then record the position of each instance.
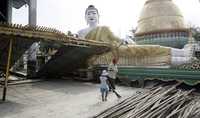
(135, 54)
(92, 19)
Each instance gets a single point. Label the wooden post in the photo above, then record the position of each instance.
(7, 70)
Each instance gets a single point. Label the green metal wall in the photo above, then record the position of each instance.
(166, 74)
(176, 42)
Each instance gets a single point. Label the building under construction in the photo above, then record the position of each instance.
(67, 55)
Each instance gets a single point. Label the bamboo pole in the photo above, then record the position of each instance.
(7, 70)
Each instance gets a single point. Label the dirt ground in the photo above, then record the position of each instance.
(58, 99)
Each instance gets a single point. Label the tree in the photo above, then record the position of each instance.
(196, 33)
(131, 34)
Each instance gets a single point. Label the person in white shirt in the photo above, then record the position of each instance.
(112, 73)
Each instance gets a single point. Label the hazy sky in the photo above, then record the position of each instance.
(119, 15)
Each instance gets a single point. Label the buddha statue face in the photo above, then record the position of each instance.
(91, 15)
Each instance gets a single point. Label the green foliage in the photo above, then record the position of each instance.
(197, 36)
(196, 33)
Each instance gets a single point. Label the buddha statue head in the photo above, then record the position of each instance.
(92, 16)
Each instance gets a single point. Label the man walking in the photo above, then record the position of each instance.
(112, 72)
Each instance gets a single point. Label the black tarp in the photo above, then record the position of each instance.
(69, 58)
(3, 10)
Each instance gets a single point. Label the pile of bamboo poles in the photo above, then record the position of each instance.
(158, 102)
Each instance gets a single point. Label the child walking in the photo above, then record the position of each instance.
(104, 85)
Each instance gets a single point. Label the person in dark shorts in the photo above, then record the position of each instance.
(112, 73)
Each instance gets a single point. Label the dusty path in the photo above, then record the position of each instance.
(57, 99)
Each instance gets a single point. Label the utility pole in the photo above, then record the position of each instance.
(9, 13)
(32, 20)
